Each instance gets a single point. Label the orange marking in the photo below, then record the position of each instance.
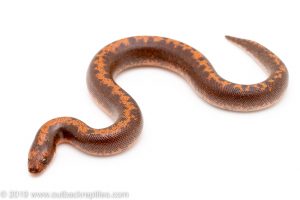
(278, 76)
(264, 86)
(157, 39)
(238, 86)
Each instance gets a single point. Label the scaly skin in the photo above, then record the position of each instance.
(158, 52)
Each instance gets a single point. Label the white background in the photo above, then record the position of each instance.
(188, 149)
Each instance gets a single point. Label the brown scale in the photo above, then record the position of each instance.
(160, 52)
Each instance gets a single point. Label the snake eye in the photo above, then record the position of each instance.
(44, 161)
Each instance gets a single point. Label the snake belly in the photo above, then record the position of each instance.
(159, 52)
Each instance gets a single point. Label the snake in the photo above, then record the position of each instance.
(161, 52)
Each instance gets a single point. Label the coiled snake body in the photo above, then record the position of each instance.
(159, 52)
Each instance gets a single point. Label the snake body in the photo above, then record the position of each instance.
(158, 52)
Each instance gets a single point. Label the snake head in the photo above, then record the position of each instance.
(39, 158)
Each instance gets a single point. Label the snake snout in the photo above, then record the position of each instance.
(34, 167)
(33, 170)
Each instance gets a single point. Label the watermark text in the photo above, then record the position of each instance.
(19, 194)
